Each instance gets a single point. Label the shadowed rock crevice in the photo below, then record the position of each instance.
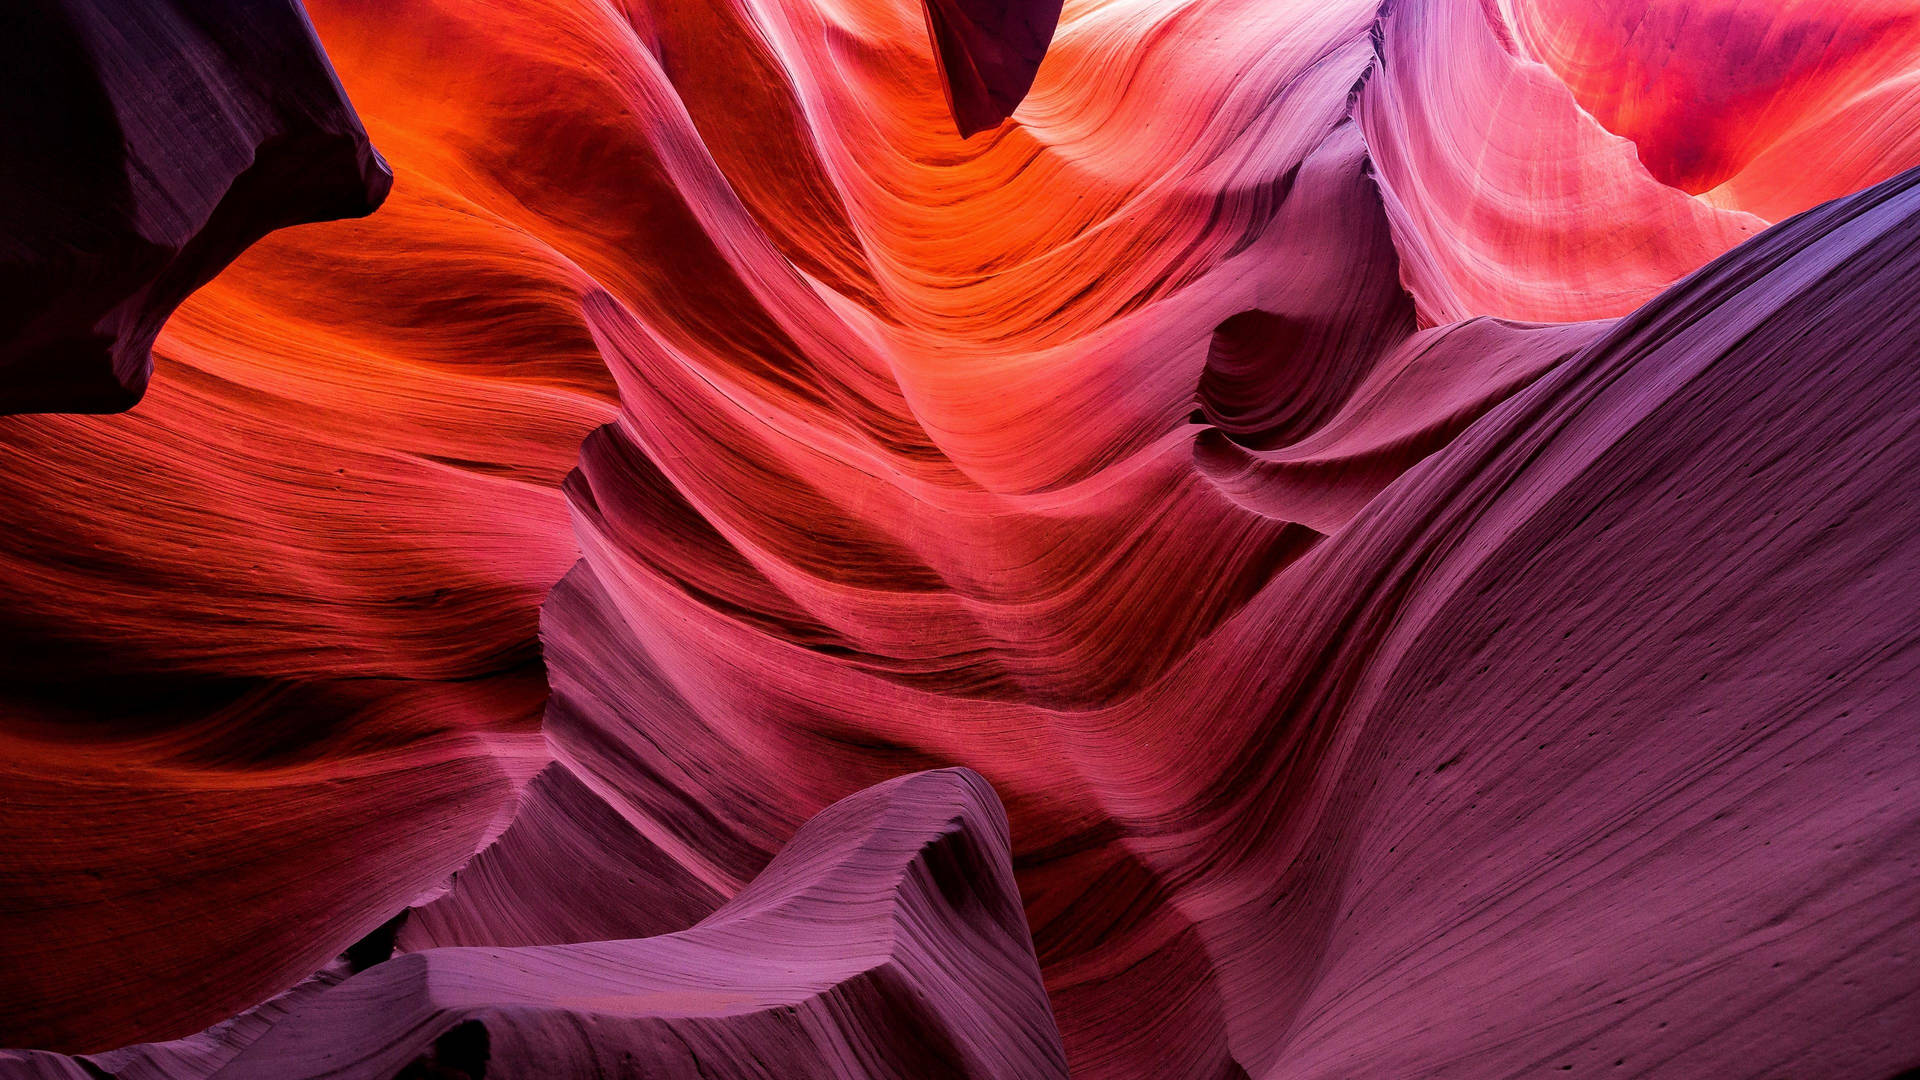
(149, 145)
(987, 52)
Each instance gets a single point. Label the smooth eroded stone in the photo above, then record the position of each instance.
(148, 144)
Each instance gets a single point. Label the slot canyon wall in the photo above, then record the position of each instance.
(857, 538)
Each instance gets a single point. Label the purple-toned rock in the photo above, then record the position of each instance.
(565, 871)
(988, 52)
(147, 145)
(886, 940)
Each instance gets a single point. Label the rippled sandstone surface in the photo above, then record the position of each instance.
(1391, 499)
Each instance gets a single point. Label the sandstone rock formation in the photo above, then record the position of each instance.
(1404, 504)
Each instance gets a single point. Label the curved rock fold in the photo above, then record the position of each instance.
(1403, 501)
(149, 144)
(886, 940)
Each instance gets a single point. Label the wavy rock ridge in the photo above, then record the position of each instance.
(1417, 551)
(886, 940)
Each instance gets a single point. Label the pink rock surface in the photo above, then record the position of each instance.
(1734, 98)
(1541, 757)
(886, 940)
(1421, 554)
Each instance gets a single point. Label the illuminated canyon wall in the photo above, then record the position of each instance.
(845, 538)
